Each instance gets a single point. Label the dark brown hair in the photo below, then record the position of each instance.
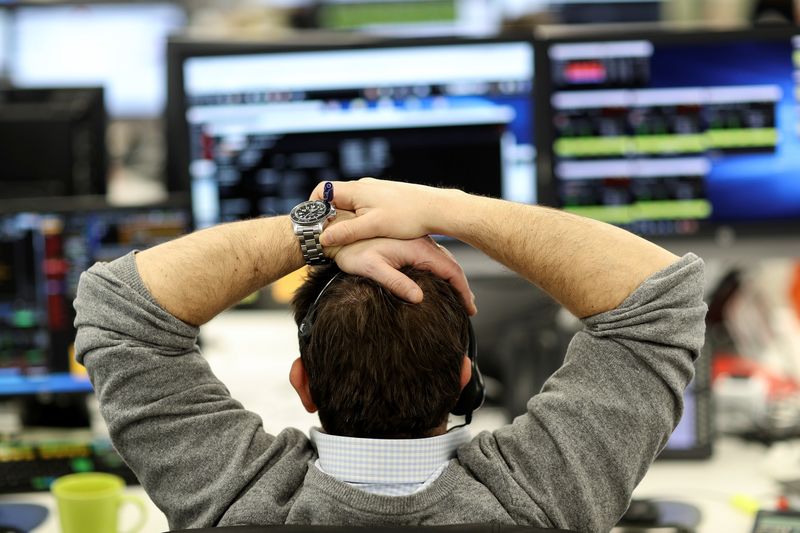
(380, 367)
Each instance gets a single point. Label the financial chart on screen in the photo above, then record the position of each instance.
(264, 128)
(677, 133)
(42, 255)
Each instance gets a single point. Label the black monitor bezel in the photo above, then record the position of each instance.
(93, 114)
(713, 231)
(181, 49)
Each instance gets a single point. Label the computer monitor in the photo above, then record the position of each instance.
(52, 142)
(412, 18)
(4, 42)
(606, 11)
(259, 127)
(693, 437)
(43, 250)
(673, 133)
(118, 46)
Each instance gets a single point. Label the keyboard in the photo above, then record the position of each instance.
(29, 467)
(777, 522)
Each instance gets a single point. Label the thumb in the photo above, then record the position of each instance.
(349, 231)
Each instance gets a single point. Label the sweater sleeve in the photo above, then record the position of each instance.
(192, 446)
(573, 460)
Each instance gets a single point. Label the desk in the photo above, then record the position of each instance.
(256, 373)
(736, 467)
(156, 521)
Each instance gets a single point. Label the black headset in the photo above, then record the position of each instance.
(473, 393)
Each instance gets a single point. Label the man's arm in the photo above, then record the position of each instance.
(192, 446)
(588, 266)
(574, 458)
(199, 275)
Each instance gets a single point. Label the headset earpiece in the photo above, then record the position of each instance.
(474, 392)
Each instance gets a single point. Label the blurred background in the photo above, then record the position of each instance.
(125, 124)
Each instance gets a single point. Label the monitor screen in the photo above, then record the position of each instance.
(412, 18)
(692, 438)
(52, 142)
(262, 129)
(677, 133)
(4, 41)
(118, 46)
(42, 255)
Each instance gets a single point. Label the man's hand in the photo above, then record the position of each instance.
(586, 265)
(380, 259)
(384, 209)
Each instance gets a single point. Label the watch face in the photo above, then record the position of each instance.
(310, 212)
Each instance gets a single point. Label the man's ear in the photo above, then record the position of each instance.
(299, 380)
(466, 371)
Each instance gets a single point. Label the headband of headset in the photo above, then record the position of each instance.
(473, 393)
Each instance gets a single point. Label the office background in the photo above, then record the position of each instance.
(124, 124)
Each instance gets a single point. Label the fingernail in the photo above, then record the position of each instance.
(416, 296)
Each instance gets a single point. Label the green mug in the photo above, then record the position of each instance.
(90, 503)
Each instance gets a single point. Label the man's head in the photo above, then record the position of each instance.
(376, 366)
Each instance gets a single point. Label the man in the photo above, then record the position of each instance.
(570, 462)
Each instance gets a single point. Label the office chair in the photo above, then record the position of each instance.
(458, 528)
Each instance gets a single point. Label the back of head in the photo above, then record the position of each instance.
(379, 367)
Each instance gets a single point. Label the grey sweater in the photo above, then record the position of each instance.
(572, 461)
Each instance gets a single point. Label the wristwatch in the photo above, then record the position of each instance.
(308, 220)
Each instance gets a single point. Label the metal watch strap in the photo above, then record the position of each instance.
(312, 249)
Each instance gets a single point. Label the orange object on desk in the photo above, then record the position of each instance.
(794, 289)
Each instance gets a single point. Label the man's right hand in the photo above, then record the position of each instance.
(384, 209)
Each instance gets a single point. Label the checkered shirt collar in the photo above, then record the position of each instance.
(386, 461)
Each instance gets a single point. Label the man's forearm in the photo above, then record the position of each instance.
(588, 266)
(199, 275)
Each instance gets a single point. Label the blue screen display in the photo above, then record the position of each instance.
(665, 137)
(748, 185)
